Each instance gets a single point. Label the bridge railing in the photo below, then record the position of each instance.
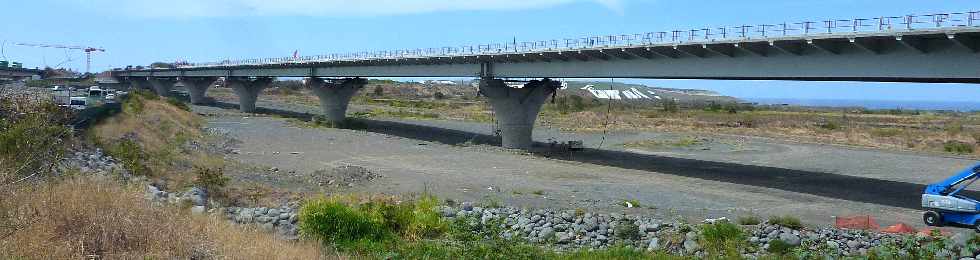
(702, 35)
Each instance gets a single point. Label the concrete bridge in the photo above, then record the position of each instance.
(18, 73)
(934, 48)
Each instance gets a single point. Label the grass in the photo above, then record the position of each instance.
(684, 142)
(627, 230)
(382, 227)
(149, 138)
(958, 147)
(86, 218)
(631, 203)
(786, 221)
(723, 239)
(749, 220)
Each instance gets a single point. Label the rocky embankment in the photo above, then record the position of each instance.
(569, 229)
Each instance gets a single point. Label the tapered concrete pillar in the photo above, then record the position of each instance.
(517, 108)
(136, 83)
(335, 96)
(247, 91)
(198, 88)
(162, 86)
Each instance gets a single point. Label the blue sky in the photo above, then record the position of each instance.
(142, 31)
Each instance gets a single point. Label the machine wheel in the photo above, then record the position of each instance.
(932, 218)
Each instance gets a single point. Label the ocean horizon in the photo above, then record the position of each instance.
(963, 106)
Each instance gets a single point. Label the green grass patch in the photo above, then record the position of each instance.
(958, 147)
(630, 203)
(130, 154)
(178, 103)
(886, 132)
(723, 239)
(786, 221)
(749, 220)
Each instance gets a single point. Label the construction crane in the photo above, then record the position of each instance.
(88, 51)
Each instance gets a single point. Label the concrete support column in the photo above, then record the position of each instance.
(247, 91)
(135, 83)
(335, 96)
(198, 88)
(162, 86)
(517, 108)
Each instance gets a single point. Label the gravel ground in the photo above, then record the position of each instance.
(724, 176)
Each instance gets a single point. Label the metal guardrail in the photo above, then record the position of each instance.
(763, 31)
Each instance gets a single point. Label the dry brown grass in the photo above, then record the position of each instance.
(161, 130)
(80, 218)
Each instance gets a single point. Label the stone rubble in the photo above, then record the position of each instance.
(91, 162)
(569, 230)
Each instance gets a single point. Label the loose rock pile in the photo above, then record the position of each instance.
(281, 220)
(568, 230)
(91, 162)
(347, 176)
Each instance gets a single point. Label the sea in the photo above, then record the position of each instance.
(962, 106)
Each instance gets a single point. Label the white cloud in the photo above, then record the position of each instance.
(335, 8)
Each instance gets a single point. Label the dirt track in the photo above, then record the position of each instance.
(722, 176)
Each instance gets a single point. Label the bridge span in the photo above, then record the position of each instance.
(18, 73)
(935, 48)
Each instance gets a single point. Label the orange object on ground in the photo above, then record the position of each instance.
(900, 228)
(865, 222)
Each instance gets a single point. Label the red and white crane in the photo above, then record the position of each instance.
(88, 51)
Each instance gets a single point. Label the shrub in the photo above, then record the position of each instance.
(830, 125)
(779, 247)
(379, 91)
(178, 103)
(958, 147)
(749, 220)
(786, 221)
(130, 154)
(976, 137)
(337, 219)
(723, 238)
(331, 220)
(630, 203)
(439, 95)
(211, 180)
(670, 106)
(627, 230)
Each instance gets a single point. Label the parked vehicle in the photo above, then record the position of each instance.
(95, 91)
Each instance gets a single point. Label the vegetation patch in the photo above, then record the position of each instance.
(98, 218)
(749, 220)
(723, 239)
(958, 147)
(787, 221)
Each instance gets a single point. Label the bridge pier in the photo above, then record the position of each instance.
(517, 108)
(247, 91)
(136, 83)
(162, 86)
(198, 88)
(335, 96)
